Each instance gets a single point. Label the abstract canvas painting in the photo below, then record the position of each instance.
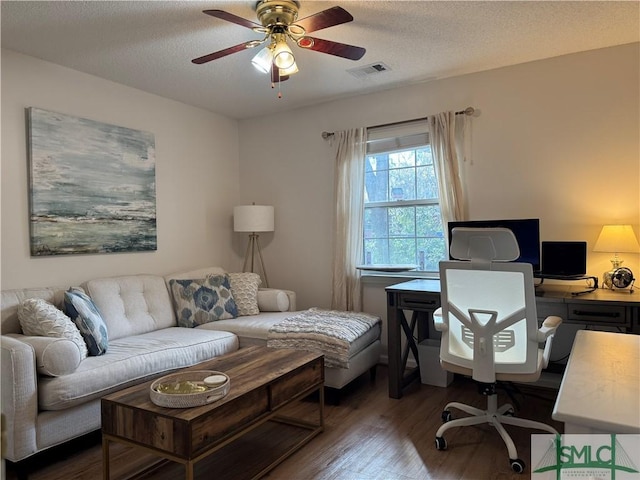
(92, 186)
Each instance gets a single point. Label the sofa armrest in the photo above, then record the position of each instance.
(19, 396)
(268, 300)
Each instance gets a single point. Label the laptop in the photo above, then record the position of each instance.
(563, 260)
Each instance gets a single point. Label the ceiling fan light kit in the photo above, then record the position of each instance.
(286, 72)
(263, 60)
(279, 22)
(282, 54)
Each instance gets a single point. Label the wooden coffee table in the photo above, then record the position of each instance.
(264, 382)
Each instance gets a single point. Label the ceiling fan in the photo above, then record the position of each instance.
(279, 24)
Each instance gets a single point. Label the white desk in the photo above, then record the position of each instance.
(600, 390)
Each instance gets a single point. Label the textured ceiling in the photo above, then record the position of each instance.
(149, 44)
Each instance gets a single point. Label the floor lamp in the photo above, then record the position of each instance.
(253, 218)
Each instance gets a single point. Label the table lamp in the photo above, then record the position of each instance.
(617, 239)
(253, 218)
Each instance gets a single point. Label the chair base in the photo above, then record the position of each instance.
(495, 416)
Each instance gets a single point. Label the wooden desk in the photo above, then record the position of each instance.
(599, 309)
(600, 390)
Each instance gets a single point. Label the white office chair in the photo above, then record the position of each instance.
(489, 327)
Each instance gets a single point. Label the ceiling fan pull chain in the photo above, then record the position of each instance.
(273, 86)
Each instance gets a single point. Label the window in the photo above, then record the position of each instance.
(402, 219)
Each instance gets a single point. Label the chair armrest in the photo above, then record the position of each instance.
(437, 321)
(545, 334)
(19, 396)
(549, 327)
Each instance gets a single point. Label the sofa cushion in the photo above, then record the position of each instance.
(55, 356)
(203, 300)
(39, 317)
(244, 288)
(131, 360)
(87, 318)
(132, 304)
(273, 300)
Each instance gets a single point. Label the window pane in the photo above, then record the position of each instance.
(429, 221)
(375, 223)
(427, 182)
(376, 178)
(423, 156)
(402, 183)
(430, 252)
(431, 244)
(402, 251)
(376, 252)
(402, 222)
(406, 158)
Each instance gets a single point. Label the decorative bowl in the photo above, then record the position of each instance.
(189, 389)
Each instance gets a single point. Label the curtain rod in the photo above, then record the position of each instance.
(466, 111)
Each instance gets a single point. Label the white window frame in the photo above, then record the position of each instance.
(397, 138)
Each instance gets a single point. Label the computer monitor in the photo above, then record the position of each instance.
(526, 231)
(564, 259)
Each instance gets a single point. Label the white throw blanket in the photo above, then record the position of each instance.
(329, 332)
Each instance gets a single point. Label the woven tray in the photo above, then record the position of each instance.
(188, 389)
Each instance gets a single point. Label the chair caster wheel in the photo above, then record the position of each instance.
(517, 465)
(446, 416)
(510, 413)
(441, 443)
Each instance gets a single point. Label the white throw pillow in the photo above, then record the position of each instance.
(273, 300)
(244, 288)
(40, 318)
(55, 356)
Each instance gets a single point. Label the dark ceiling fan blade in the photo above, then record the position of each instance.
(332, 48)
(325, 19)
(275, 77)
(223, 53)
(230, 17)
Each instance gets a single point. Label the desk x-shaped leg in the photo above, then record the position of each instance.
(409, 329)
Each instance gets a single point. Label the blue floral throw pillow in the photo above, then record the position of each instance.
(84, 313)
(202, 301)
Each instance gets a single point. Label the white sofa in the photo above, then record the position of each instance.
(145, 341)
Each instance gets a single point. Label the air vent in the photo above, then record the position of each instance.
(368, 70)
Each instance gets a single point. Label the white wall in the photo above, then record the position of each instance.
(552, 140)
(197, 174)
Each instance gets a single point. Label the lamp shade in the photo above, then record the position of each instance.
(617, 239)
(253, 218)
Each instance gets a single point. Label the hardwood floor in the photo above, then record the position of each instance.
(368, 436)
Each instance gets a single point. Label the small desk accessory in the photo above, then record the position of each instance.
(616, 239)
